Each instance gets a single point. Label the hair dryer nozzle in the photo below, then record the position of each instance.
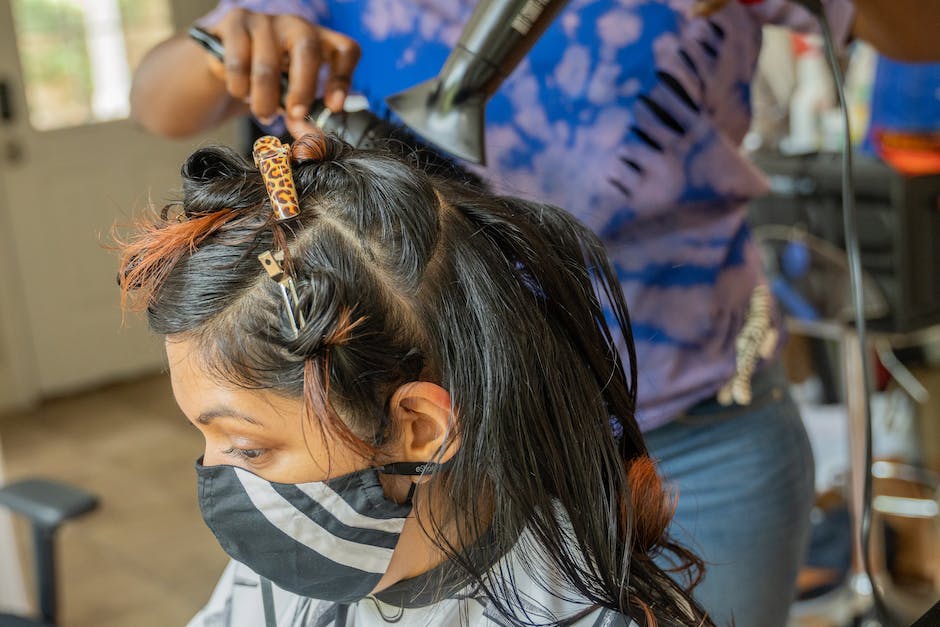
(456, 129)
(449, 110)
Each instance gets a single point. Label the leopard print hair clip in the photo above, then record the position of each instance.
(273, 160)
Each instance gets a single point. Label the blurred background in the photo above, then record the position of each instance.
(81, 394)
(84, 397)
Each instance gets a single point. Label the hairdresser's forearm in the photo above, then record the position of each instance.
(906, 30)
(175, 93)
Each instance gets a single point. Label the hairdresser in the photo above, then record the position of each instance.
(629, 115)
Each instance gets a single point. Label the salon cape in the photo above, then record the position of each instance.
(427, 599)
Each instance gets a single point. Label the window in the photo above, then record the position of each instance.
(77, 55)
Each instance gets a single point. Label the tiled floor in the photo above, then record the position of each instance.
(144, 558)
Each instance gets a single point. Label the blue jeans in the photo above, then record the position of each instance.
(745, 482)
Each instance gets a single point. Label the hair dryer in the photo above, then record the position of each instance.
(360, 127)
(449, 110)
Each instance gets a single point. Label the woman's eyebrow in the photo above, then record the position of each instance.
(225, 412)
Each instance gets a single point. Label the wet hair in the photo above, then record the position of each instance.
(405, 276)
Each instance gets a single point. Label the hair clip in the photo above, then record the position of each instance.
(272, 264)
(272, 158)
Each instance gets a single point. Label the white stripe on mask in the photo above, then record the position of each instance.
(344, 512)
(283, 515)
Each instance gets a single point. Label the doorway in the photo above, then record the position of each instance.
(72, 165)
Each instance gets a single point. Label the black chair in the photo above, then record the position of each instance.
(46, 504)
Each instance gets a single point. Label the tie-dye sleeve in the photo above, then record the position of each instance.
(311, 10)
(839, 13)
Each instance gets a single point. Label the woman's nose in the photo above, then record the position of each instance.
(211, 456)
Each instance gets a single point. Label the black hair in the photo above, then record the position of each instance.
(405, 276)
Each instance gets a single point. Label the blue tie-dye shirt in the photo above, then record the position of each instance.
(629, 114)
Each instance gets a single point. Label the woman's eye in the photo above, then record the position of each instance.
(251, 454)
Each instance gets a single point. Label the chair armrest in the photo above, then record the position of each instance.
(46, 503)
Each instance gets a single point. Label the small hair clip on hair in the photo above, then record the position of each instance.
(272, 158)
(271, 261)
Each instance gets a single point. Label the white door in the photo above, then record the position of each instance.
(65, 180)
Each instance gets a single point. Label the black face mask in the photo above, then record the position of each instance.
(330, 540)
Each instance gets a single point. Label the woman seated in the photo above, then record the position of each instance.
(413, 408)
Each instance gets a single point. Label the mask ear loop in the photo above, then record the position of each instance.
(272, 159)
(413, 469)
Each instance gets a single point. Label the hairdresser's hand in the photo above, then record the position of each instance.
(259, 47)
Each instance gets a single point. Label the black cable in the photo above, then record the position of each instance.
(855, 279)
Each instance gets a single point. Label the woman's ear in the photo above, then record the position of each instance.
(424, 422)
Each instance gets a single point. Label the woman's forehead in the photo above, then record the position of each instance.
(200, 394)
